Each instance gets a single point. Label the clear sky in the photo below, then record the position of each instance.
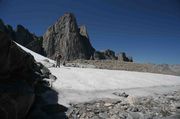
(148, 30)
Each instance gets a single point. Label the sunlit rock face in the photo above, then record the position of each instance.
(66, 38)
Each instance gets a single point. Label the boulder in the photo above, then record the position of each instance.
(17, 79)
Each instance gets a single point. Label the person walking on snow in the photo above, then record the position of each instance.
(58, 58)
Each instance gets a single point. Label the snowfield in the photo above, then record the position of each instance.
(85, 79)
(76, 85)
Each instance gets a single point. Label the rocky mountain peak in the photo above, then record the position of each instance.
(68, 22)
(65, 38)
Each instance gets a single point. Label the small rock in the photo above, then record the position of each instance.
(103, 115)
(107, 104)
(52, 77)
(121, 94)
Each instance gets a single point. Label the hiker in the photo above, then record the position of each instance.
(64, 62)
(58, 58)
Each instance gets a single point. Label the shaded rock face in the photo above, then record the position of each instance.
(107, 54)
(29, 40)
(24, 85)
(36, 45)
(7, 29)
(66, 38)
(17, 79)
(14, 61)
(22, 36)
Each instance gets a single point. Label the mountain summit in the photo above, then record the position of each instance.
(66, 38)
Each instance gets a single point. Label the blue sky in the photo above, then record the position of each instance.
(148, 30)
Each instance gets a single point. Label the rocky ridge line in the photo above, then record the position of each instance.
(22, 36)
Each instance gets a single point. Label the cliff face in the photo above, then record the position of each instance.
(66, 38)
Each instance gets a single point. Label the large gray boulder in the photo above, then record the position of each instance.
(66, 38)
(17, 80)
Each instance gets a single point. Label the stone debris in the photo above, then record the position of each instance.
(157, 107)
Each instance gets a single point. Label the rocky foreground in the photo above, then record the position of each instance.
(162, 106)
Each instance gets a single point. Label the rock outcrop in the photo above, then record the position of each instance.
(110, 55)
(107, 54)
(66, 38)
